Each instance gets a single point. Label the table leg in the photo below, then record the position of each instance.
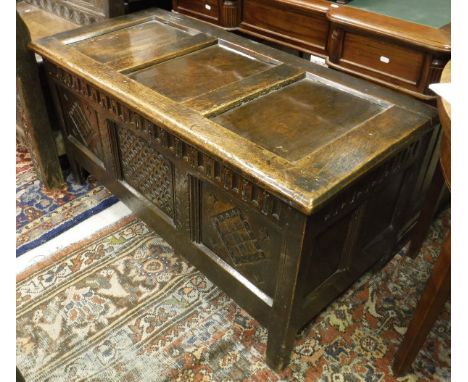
(77, 171)
(19, 376)
(435, 295)
(279, 347)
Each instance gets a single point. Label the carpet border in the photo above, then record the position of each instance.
(66, 225)
(72, 247)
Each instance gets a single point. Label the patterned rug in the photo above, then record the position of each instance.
(42, 214)
(121, 306)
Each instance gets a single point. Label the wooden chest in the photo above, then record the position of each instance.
(281, 180)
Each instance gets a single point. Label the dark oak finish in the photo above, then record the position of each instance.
(401, 54)
(19, 376)
(40, 23)
(281, 180)
(225, 13)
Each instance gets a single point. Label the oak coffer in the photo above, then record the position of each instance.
(281, 180)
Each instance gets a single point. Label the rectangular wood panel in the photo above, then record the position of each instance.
(199, 72)
(130, 42)
(301, 117)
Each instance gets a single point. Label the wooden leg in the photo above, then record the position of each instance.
(304, 55)
(19, 377)
(32, 118)
(427, 212)
(77, 171)
(435, 294)
(283, 327)
(279, 347)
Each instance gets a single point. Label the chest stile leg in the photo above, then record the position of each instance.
(284, 320)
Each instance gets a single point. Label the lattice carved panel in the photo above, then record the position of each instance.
(237, 237)
(146, 170)
(240, 236)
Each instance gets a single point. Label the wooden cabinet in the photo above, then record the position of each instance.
(296, 24)
(225, 13)
(281, 180)
(400, 53)
(204, 9)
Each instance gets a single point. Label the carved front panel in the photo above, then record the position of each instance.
(240, 236)
(146, 170)
(82, 123)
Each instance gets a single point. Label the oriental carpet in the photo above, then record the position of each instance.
(43, 214)
(121, 306)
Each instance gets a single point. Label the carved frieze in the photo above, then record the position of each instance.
(357, 194)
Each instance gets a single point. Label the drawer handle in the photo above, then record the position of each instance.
(207, 6)
(384, 59)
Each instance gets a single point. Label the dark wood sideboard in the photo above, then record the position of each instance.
(283, 181)
(374, 40)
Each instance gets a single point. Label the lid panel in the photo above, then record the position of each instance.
(133, 41)
(301, 118)
(191, 75)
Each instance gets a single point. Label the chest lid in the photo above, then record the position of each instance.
(300, 130)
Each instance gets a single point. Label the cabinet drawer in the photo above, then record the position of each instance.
(300, 27)
(204, 9)
(382, 58)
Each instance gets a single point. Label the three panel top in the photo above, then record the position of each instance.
(298, 129)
